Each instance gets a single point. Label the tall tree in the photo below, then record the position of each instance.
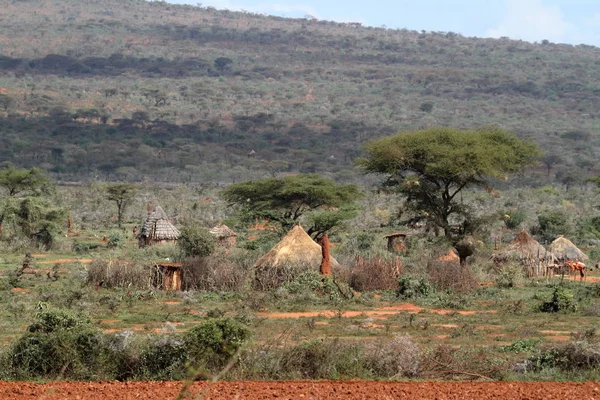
(122, 194)
(16, 183)
(286, 200)
(432, 167)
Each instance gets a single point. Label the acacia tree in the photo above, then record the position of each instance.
(431, 167)
(16, 183)
(122, 194)
(286, 200)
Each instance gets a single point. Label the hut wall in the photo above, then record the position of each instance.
(227, 242)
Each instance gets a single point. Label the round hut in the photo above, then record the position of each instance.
(564, 250)
(225, 237)
(157, 229)
(296, 252)
(528, 252)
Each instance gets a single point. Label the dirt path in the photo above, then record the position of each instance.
(66, 261)
(377, 312)
(304, 390)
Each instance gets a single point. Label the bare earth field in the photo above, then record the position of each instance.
(303, 390)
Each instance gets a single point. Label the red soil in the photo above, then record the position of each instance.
(66, 261)
(302, 390)
(378, 312)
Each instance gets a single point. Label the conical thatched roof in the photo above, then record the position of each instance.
(564, 250)
(523, 248)
(450, 256)
(222, 231)
(295, 248)
(158, 227)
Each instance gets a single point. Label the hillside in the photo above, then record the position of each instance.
(131, 90)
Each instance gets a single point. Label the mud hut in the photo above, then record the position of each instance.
(564, 250)
(396, 242)
(167, 276)
(157, 229)
(226, 238)
(528, 252)
(296, 252)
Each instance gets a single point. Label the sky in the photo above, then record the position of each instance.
(559, 21)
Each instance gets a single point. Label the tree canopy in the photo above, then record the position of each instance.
(121, 194)
(285, 200)
(431, 167)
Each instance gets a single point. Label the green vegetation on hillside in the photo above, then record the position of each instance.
(123, 90)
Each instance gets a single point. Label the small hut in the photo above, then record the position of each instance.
(167, 276)
(450, 256)
(296, 251)
(528, 252)
(396, 242)
(564, 250)
(226, 238)
(157, 229)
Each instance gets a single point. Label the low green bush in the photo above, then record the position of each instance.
(410, 287)
(562, 300)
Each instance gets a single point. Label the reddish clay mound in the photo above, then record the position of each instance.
(304, 390)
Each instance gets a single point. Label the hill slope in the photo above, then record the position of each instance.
(127, 89)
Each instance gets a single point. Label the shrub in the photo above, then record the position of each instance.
(115, 239)
(119, 273)
(196, 242)
(553, 224)
(163, 357)
(410, 287)
(514, 218)
(451, 276)
(213, 273)
(509, 276)
(397, 357)
(212, 343)
(375, 274)
(569, 357)
(562, 300)
(59, 343)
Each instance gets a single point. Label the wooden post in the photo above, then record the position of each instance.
(326, 260)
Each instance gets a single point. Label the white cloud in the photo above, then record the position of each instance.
(531, 20)
(534, 21)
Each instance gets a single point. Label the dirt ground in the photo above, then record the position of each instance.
(302, 390)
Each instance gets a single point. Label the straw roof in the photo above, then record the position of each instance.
(222, 231)
(295, 248)
(522, 248)
(450, 256)
(564, 250)
(158, 227)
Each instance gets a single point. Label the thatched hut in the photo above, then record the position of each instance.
(564, 250)
(226, 238)
(157, 229)
(450, 256)
(295, 252)
(527, 251)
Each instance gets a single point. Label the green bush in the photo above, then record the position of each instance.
(410, 287)
(115, 240)
(196, 242)
(59, 344)
(514, 218)
(510, 276)
(553, 224)
(212, 343)
(163, 358)
(562, 300)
